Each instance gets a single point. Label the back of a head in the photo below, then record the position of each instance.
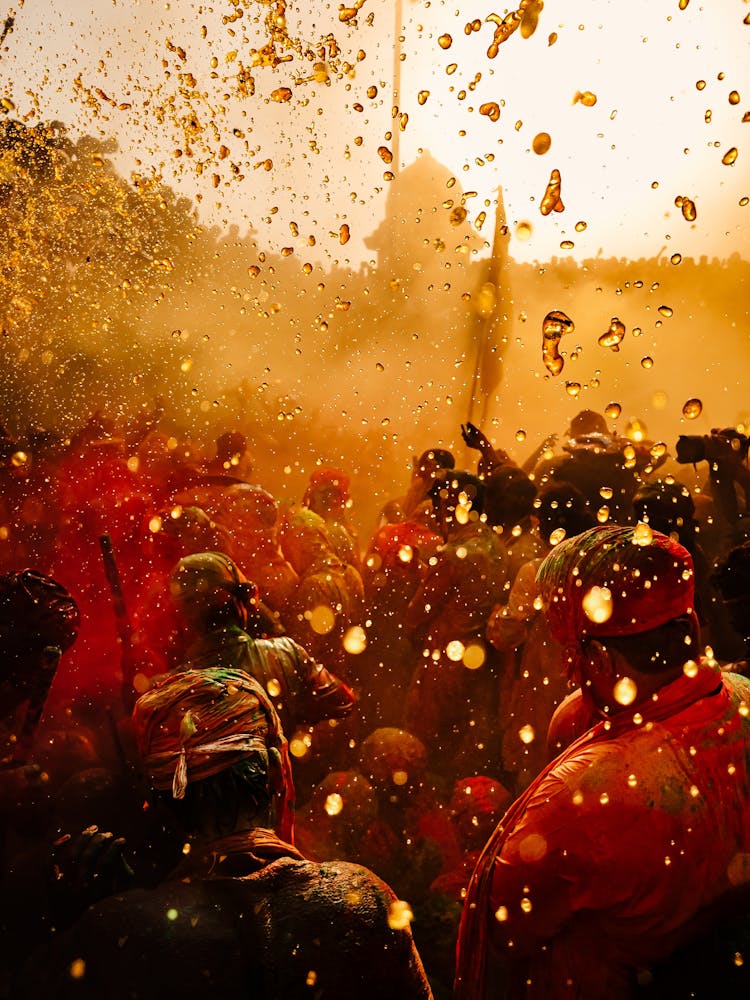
(432, 462)
(328, 490)
(392, 758)
(231, 444)
(209, 589)
(668, 507)
(457, 489)
(562, 507)
(587, 422)
(615, 582)
(508, 496)
(732, 576)
(211, 740)
(36, 614)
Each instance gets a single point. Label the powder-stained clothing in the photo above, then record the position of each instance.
(257, 920)
(536, 683)
(452, 709)
(301, 690)
(601, 868)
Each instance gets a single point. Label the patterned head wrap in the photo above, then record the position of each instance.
(612, 581)
(199, 722)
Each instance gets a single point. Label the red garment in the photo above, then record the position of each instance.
(601, 866)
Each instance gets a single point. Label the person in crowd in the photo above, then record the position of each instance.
(509, 497)
(395, 564)
(329, 599)
(431, 465)
(243, 911)
(328, 496)
(667, 506)
(595, 463)
(519, 630)
(622, 848)
(214, 600)
(732, 577)
(453, 700)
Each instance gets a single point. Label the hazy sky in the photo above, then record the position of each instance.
(138, 71)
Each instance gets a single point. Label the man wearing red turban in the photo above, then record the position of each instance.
(624, 845)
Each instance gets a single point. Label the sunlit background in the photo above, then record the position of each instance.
(361, 149)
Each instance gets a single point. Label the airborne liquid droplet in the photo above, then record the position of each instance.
(642, 534)
(730, 157)
(445, 41)
(613, 411)
(689, 211)
(692, 409)
(281, 95)
(586, 98)
(613, 337)
(554, 326)
(530, 17)
(541, 143)
(552, 202)
(491, 110)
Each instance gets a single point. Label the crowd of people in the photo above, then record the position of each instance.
(498, 748)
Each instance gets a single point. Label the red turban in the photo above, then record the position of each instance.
(330, 477)
(199, 722)
(611, 581)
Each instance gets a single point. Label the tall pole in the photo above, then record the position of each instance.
(492, 319)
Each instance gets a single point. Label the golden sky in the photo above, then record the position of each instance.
(666, 81)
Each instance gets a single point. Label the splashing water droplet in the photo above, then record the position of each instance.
(523, 231)
(491, 109)
(355, 640)
(541, 143)
(692, 408)
(625, 691)
(557, 536)
(273, 687)
(445, 41)
(554, 326)
(400, 915)
(474, 656)
(690, 668)
(322, 619)
(334, 804)
(586, 98)
(551, 200)
(281, 95)
(642, 534)
(455, 650)
(613, 410)
(597, 604)
(730, 157)
(612, 338)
